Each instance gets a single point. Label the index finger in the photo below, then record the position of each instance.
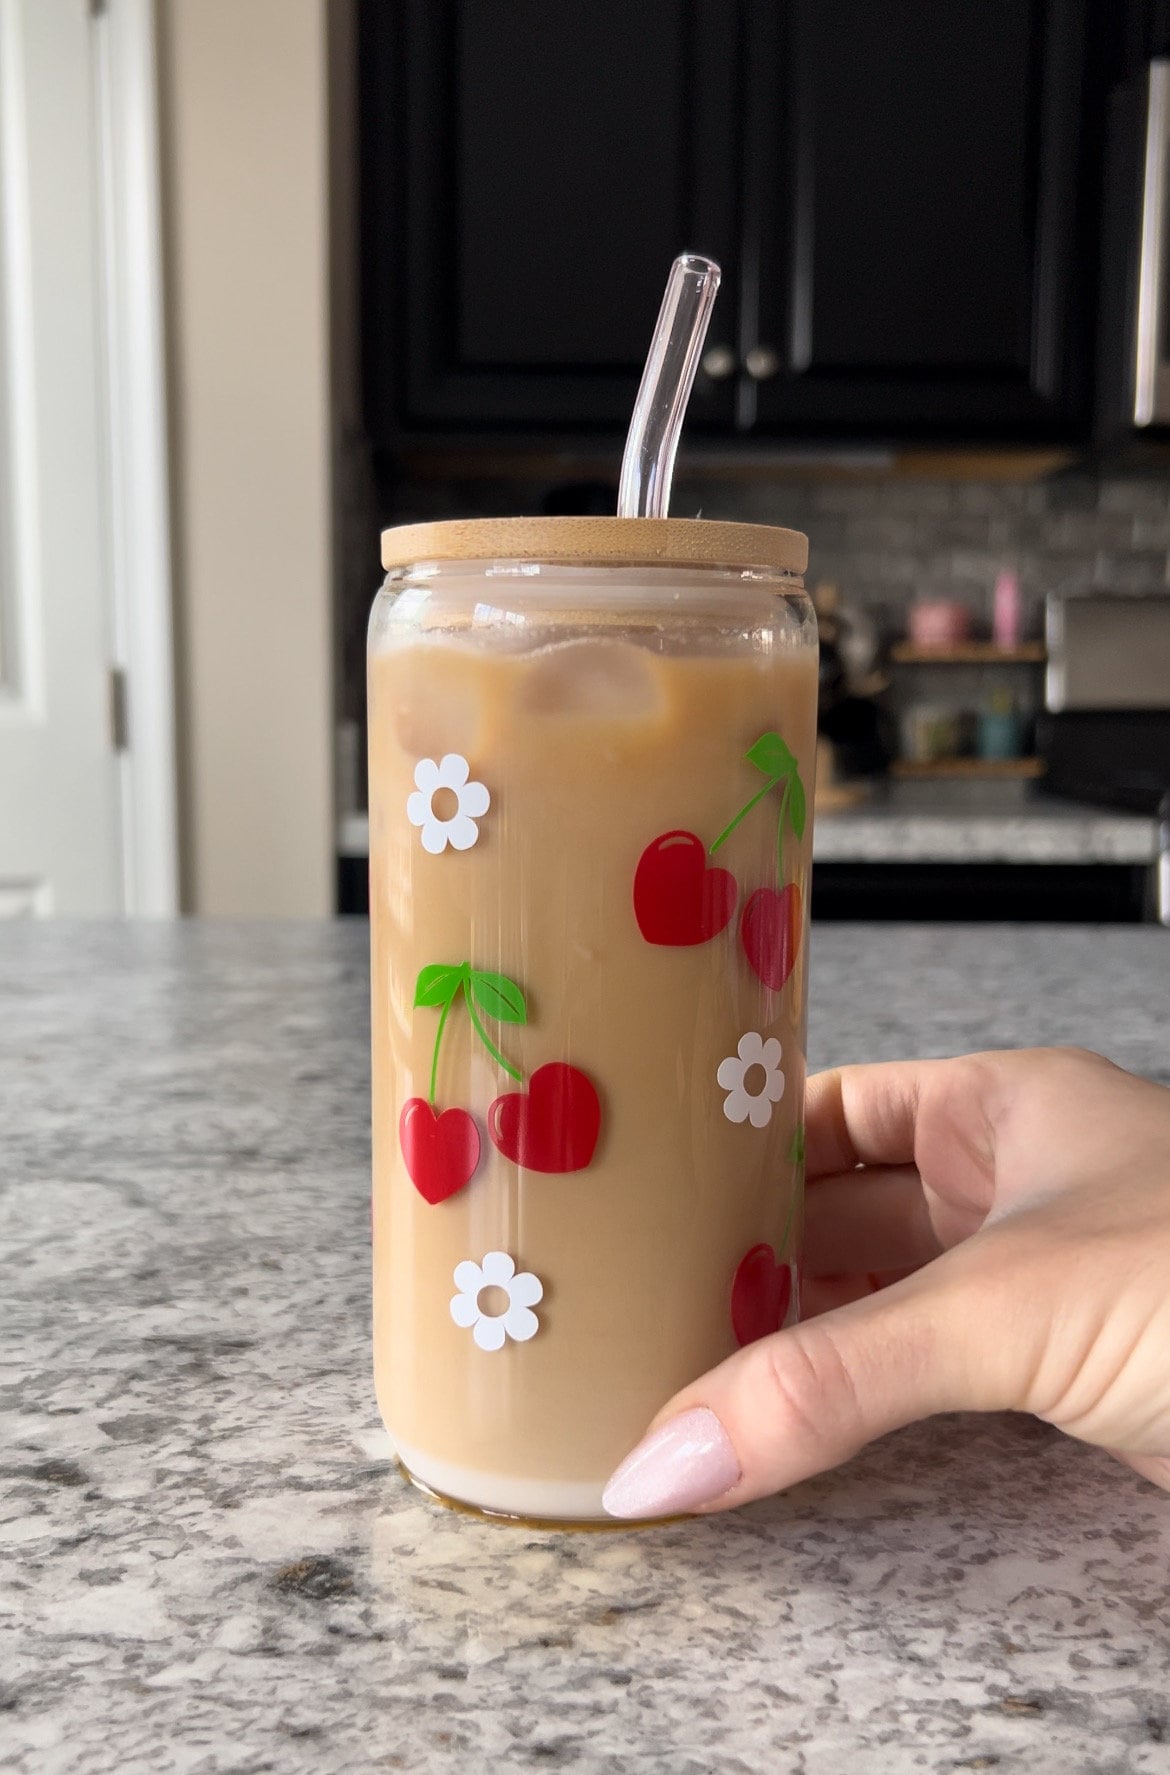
(862, 1115)
(938, 1115)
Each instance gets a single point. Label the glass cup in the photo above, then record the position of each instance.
(591, 758)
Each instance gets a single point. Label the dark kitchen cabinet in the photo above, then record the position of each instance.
(1146, 33)
(531, 168)
(902, 196)
(919, 197)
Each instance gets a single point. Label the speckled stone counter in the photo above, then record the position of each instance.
(209, 1563)
(973, 822)
(981, 823)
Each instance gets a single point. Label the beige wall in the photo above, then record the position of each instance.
(245, 171)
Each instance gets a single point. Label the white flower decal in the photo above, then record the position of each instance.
(517, 1321)
(742, 1105)
(472, 801)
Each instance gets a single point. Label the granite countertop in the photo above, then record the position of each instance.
(968, 823)
(212, 1565)
(980, 823)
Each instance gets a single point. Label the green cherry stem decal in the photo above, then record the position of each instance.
(681, 899)
(498, 997)
(769, 928)
(771, 756)
(796, 1160)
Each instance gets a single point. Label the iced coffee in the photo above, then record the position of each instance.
(591, 758)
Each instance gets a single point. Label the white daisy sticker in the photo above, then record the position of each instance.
(758, 1066)
(489, 1321)
(466, 802)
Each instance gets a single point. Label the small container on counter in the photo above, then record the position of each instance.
(939, 622)
(933, 732)
(1006, 619)
(999, 731)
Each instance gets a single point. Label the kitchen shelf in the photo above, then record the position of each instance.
(969, 653)
(969, 767)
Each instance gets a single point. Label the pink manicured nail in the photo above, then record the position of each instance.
(688, 1462)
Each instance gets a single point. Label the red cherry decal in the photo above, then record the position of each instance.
(678, 900)
(760, 1295)
(553, 1126)
(770, 933)
(441, 1151)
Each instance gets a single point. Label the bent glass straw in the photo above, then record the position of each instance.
(667, 380)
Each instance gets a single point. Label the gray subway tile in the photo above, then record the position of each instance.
(1139, 497)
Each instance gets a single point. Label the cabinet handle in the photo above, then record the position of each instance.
(719, 363)
(761, 363)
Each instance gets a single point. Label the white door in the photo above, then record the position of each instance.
(60, 795)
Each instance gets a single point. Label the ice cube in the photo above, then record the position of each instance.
(607, 678)
(436, 704)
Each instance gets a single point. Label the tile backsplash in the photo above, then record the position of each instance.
(884, 542)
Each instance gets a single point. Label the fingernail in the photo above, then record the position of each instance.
(688, 1462)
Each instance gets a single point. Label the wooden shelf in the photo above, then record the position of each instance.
(969, 767)
(969, 653)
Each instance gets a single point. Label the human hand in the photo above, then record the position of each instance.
(1005, 1245)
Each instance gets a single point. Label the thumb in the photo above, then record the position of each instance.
(806, 1399)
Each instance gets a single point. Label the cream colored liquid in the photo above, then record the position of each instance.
(589, 751)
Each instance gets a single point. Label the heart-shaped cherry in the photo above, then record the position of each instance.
(678, 900)
(441, 1150)
(760, 1295)
(553, 1126)
(770, 933)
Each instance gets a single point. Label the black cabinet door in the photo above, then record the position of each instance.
(530, 169)
(914, 184)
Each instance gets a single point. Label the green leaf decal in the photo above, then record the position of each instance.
(797, 807)
(500, 997)
(796, 1149)
(772, 756)
(437, 984)
(443, 983)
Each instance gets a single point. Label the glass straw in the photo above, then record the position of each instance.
(667, 380)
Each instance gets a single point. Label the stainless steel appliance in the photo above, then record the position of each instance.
(1134, 368)
(1105, 730)
(1151, 315)
(1107, 652)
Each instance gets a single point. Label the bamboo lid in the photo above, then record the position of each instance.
(628, 542)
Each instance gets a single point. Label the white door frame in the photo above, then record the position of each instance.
(136, 494)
